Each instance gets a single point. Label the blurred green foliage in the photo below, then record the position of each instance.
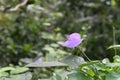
(36, 28)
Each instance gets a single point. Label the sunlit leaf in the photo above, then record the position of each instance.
(3, 74)
(116, 58)
(19, 70)
(6, 69)
(105, 61)
(90, 72)
(113, 3)
(114, 46)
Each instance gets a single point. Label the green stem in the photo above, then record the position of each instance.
(114, 41)
(86, 56)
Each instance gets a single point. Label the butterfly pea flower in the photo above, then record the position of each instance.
(73, 40)
(39, 60)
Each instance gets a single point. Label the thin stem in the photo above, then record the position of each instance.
(86, 56)
(73, 50)
(78, 52)
(114, 41)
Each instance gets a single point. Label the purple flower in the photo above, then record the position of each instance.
(39, 60)
(73, 40)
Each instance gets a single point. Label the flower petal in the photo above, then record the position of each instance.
(39, 60)
(73, 40)
(74, 36)
(72, 44)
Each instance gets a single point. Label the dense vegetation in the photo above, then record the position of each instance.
(32, 29)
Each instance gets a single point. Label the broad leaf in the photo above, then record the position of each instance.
(113, 64)
(24, 76)
(44, 79)
(46, 64)
(4, 78)
(73, 61)
(56, 77)
(61, 75)
(113, 76)
(79, 76)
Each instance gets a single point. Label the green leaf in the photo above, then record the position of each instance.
(4, 78)
(79, 76)
(88, 63)
(27, 47)
(113, 76)
(61, 74)
(46, 64)
(73, 61)
(114, 46)
(24, 76)
(105, 61)
(56, 77)
(3, 74)
(19, 70)
(113, 3)
(51, 50)
(116, 58)
(90, 72)
(113, 64)
(44, 79)
(6, 69)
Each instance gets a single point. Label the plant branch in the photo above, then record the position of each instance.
(18, 6)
